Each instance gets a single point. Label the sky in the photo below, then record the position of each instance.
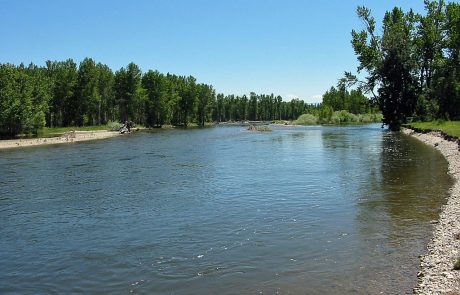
(292, 48)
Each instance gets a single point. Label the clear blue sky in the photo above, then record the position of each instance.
(286, 47)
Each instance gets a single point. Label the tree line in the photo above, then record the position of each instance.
(62, 94)
(413, 67)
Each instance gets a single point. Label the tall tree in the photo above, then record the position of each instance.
(205, 98)
(156, 87)
(24, 98)
(63, 75)
(129, 93)
(87, 96)
(390, 62)
(447, 84)
(252, 108)
(106, 107)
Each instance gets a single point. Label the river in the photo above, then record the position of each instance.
(299, 210)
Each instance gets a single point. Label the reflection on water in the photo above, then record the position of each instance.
(300, 210)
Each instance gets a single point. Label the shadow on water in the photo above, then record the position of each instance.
(395, 213)
(397, 185)
(300, 210)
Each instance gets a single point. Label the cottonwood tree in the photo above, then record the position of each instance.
(390, 63)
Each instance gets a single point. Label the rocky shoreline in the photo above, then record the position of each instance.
(437, 275)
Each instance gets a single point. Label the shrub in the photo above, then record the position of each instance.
(306, 119)
(343, 116)
(114, 126)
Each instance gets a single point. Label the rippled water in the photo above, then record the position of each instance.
(300, 210)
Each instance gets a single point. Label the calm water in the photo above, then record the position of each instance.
(300, 210)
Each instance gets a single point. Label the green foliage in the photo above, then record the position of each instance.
(413, 68)
(390, 61)
(339, 117)
(325, 113)
(341, 99)
(426, 108)
(370, 118)
(451, 128)
(306, 119)
(24, 98)
(114, 126)
(62, 95)
(63, 76)
(87, 94)
(257, 108)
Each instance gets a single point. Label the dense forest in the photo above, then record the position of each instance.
(64, 94)
(412, 69)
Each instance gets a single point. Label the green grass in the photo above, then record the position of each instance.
(451, 128)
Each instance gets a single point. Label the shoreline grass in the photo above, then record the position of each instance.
(451, 128)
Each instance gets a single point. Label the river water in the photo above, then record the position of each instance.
(299, 210)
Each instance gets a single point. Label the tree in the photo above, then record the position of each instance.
(87, 98)
(390, 62)
(156, 108)
(187, 100)
(447, 78)
(206, 95)
(129, 94)
(106, 108)
(41, 94)
(252, 108)
(63, 75)
(24, 97)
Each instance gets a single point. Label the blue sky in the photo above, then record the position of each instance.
(286, 47)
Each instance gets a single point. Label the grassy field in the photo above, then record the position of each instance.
(451, 128)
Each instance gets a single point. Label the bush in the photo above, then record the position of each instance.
(114, 126)
(339, 117)
(306, 119)
(426, 109)
(370, 118)
(343, 117)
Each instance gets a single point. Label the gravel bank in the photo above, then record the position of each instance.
(68, 137)
(437, 275)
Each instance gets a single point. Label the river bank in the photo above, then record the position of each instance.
(68, 137)
(437, 275)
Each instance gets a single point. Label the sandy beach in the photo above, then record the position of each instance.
(69, 137)
(437, 275)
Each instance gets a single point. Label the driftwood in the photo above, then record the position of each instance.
(69, 135)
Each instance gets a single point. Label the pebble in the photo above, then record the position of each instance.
(437, 275)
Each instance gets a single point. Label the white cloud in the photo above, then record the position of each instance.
(315, 99)
(289, 97)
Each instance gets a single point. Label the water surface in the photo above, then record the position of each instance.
(300, 210)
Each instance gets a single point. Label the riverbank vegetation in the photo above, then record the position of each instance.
(411, 69)
(341, 106)
(338, 118)
(450, 128)
(60, 94)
